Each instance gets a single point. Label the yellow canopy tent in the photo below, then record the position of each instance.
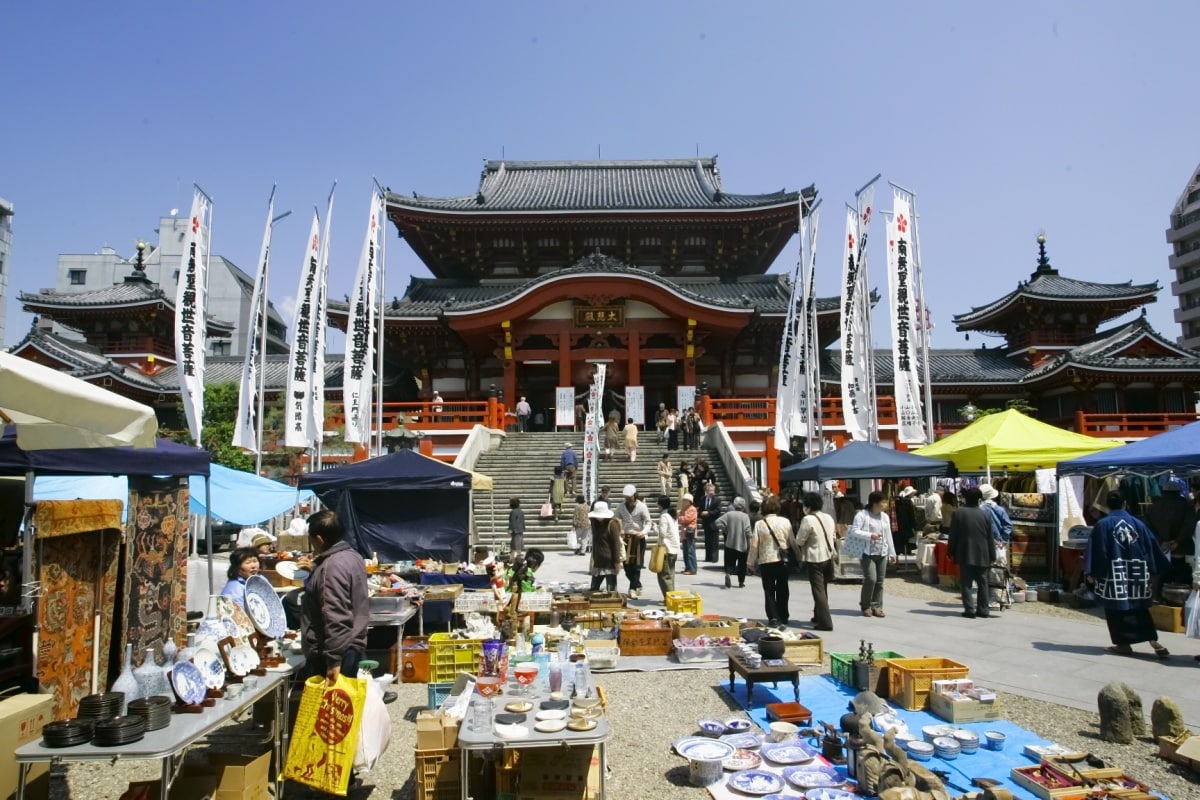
(1012, 441)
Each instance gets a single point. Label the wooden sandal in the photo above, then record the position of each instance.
(1119, 650)
(1161, 652)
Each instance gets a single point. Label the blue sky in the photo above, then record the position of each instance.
(1078, 119)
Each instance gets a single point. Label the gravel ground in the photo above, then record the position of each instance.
(646, 715)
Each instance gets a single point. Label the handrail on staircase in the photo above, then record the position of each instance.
(480, 440)
(717, 438)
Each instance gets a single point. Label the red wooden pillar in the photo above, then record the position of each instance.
(689, 355)
(564, 359)
(635, 360)
(772, 461)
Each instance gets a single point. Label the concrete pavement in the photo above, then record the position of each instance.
(1058, 659)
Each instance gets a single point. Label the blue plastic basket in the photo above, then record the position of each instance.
(438, 692)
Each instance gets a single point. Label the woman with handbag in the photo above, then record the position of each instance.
(607, 548)
(872, 532)
(814, 546)
(667, 548)
(582, 526)
(769, 542)
(687, 533)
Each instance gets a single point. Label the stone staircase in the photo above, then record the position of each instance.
(523, 465)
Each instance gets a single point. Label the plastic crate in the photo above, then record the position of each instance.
(438, 774)
(448, 656)
(438, 692)
(910, 680)
(536, 601)
(841, 666)
(468, 602)
(684, 603)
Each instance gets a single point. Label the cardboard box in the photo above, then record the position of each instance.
(716, 627)
(448, 591)
(293, 543)
(572, 772)
(240, 777)
(449, 732)
(1168, 618)
(21, 721)
(429, 730)
(1184, 750)
(964, 710)
(189, 786)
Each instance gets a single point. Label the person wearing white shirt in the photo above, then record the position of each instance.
(814, 545)
(933, 512)
(668, 536)
(873, 528)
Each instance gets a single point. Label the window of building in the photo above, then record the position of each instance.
(1, 262)
(77, 277)
(220, 348)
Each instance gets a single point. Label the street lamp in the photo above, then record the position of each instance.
(969, 411)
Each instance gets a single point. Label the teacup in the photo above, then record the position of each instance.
(782, 731)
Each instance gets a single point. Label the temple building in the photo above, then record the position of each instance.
(654, 269)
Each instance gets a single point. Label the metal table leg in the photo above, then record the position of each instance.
(22, 774)
(464, 773)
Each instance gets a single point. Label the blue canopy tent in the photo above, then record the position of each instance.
(237, 497)
(165, 458)
(400, 506)
(864, 460)
(1173, 451)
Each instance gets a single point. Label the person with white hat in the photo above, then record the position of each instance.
(906, 518)
(635, 525)
(1001, 523)
(606, 546)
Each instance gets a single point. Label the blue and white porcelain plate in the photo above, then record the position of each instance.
(743, 741)
(704, 749)
(275, 624)
(242, 659)
(212, 669)
(756, 781)
(792, 752)
(738, 724)
(812, 777)
(188, 683)
(831, 794)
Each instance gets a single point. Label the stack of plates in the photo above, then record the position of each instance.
(967, 740)
(946, 747)
(156, 710)
(101, 706)
(67, 733)
(118, 731)
(918, 750)
(932, 732)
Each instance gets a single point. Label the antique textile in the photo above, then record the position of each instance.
(156, 548)
(77, 545)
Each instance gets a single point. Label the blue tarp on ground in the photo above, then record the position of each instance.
(1173, 451)
(402, 506)
(864, 460)
(237, 497)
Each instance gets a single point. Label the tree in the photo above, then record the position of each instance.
(220, 418)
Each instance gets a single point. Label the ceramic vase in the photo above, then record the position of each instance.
(150, 677)
(169, 651)
(126, 683)
(188, 651)
(211, 627)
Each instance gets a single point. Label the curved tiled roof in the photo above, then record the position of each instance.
(432, 297)
(127, 294)
(1103, 352)
(608, 186)
(948, 366)
(1049, 286)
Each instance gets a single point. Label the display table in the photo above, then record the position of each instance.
(474, 741)
(170, 744)
(786, 671)
(468, 580)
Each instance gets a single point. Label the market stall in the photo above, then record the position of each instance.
(401, 506)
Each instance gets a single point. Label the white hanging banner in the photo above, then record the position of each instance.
(791, 353)
(191, 313)
(905, 356)
(564, 406)
(808, 387)
(685, 398)
(298, 421)
(358, 370)
(319, 327)
(635, 405)
(591, 433)
(245, 431)
(854, 346)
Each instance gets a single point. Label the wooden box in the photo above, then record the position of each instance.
(804, 651)
(910, 680)
(447, 592)
(1183, 750)
(706, 626)
(1168, 618)
(644, 638)
(1048, 783)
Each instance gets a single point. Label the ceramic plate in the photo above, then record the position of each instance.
(742, 759)
(210, 666)
(932, 732)
(743, 741)
(706, 749)
(188, 683)
(831, 794)
(580, 725)
(242, 659)
(275, 624)
(787, 752)
(228, 608)
(652, 613)
(511, 731)
(551, 714)
(738, 724)
(519, 707)
(287, 569)
(550, 725)
(756, 781)
(812, 778)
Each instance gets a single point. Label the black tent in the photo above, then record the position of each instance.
(400, 506)
(863, 460)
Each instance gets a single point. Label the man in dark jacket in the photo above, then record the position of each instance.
(335, 602)
(973, 548)
(709, 510)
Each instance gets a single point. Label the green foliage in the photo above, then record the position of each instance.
(1019, 403)
(220, 418)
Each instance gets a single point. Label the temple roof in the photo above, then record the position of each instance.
(948, 366)
(599, 186)
(129, 294)
(432, 297)
(1045, 285)
(1134, 346)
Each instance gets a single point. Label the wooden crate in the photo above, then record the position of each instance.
(964, 710)
(804, 651)
(644, 638)
(706, 626)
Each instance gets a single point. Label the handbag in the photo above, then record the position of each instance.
(658, 558)
(1192, 616)
(572, 540)
(547, 510)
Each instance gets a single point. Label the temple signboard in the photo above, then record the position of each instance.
(599, 316)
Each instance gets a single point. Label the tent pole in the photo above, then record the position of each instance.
(28, 584)
(208, 531)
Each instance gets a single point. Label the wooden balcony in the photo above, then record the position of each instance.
(448, 415)
(1130, 426)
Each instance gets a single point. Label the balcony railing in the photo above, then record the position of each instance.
(445, 416)
(1131, 426)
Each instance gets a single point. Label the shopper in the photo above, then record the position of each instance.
(973, 548)
(687, 533)
(734, 526)
(335, 602)
(516, 526)
(710, 509)
(815, 547)
(874, 530)
(631, 439)
(1122, 559)
(769, 542)
(606, 546)
(668, 536)
(665, 473)
(635, 526)
(582, 526)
